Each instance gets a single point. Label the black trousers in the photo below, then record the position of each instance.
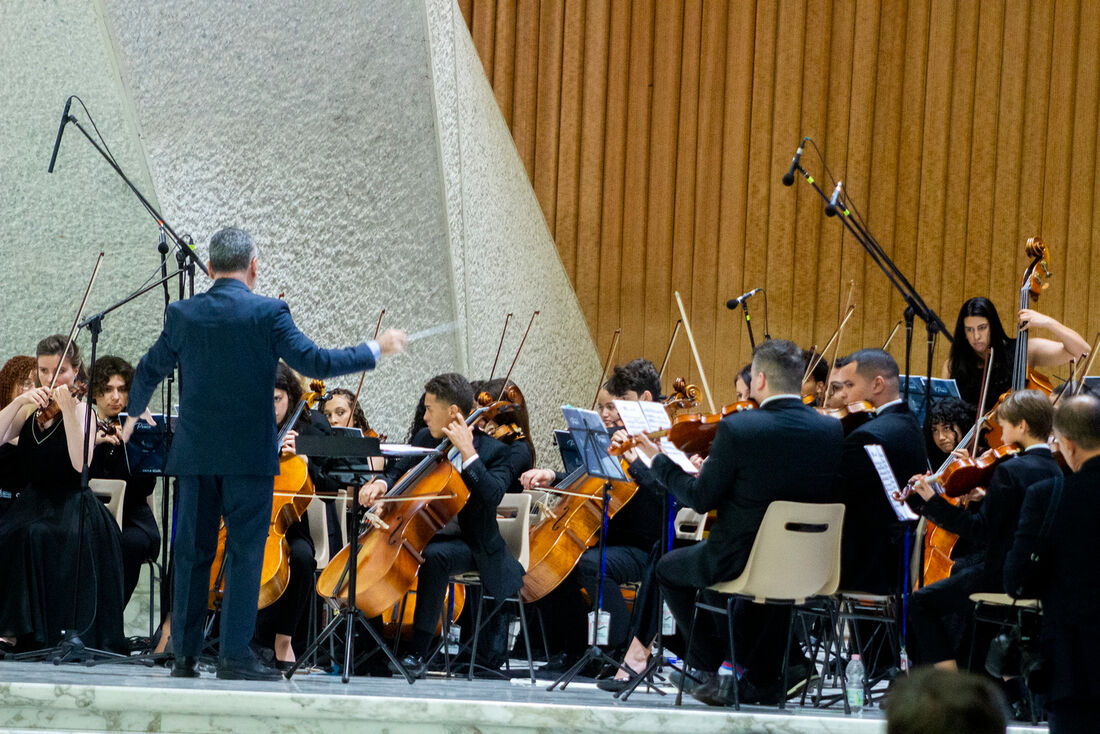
(245, 502)
(443, 558)
(625, 564)
(760, 630)
(938, 614)
(140, 542)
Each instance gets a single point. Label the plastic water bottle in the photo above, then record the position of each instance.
(853, 685)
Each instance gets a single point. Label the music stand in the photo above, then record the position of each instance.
(591, 436)
(346, 447)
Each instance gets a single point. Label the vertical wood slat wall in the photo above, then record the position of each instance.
(655, 133)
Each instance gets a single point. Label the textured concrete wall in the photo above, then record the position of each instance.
(53, 226)
(359, 143)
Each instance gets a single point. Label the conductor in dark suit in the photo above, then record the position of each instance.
(227, 343)
(1065, 576)
(873, 544)
(471, 541)
(784, 450)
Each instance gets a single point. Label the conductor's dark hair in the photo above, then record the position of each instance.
(453, 389)
(637, 375)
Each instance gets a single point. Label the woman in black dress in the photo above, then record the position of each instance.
(16, 377)
(54, 576)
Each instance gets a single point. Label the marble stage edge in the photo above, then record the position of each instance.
(39, 697)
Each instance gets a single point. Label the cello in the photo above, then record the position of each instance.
(388, 553)
(293, 491)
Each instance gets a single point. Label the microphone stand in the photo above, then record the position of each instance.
(748, 323)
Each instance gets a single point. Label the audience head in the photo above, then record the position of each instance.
(111, 380)
(870, 375)
(16, 377)
(776, 369)
(447, 398)
(933, 701)
(1077, 429)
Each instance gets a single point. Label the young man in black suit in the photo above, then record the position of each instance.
(228, 341)
(784, 450)
(937, 610)
(873, 535)
(1061, 571)
(473, 541)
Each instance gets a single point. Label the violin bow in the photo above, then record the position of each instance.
(892, 333)
(72, 330)
(1088, 365)
(355, 400)
(694, 350)
(522, 341)
(833, 340)
(668, 352)
(987, 373)
(607, 364)
(503, 331)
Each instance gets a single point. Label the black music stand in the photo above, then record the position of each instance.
(346, 447)
(590, 434)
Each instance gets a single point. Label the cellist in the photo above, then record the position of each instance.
(1025, 417)
(473, 541)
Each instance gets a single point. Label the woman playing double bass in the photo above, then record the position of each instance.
(473, 541)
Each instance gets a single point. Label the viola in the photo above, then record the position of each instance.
(499, 419)
(388, 552)
(851, 416)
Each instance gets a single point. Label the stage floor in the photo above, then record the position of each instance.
(124, 698)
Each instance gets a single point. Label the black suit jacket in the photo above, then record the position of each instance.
(993, 526)
(1067, 579)
(872, 555)
(487, 479)
(784, 450)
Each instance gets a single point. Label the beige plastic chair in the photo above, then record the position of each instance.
(795, 557)
(342, 500)
(514, 521)
(114, 490)
(690, 524)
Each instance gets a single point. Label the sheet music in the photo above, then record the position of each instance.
(646, 416)
(889, 484)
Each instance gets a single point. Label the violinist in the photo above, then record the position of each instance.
(340, 413)
(16, 377)
(833, 397)
(978, 329)
(43, 570)
(753, 461)
(511, 427)
(228, 341)
(935, 610)
(873, 536)
(140, 536)
(1060, 570)
(741, 384)
(814, 387)
(949, 419)
(473, 541)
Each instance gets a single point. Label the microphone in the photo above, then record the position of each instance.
(788, 177)
(830, 208)
(60, 130)
(735, 302)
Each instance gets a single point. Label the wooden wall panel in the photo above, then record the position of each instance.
(655, 133)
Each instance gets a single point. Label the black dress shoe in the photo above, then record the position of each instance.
(413, 663)
(248, 668)
(717, 690)
(185, 667)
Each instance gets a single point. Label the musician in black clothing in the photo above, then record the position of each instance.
(782, 451)
(473, 540)
(632, 533)
(1025, 418)
(1061, 571)
(978, 329)
(511, 426)
(140, 536)
(873, 535)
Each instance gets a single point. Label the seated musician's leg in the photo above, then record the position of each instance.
(443, 558)
(681, 574)
(624, 564)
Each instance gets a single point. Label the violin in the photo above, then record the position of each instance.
(692, 433)
(852, 415)
(683, 398)
(500, 420)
